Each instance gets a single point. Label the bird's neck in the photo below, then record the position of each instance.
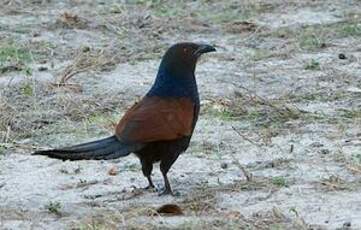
(175, 84)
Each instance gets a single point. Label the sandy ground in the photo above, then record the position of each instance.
(280, 100)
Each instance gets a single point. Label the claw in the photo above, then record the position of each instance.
(151, 188)
(166, 192)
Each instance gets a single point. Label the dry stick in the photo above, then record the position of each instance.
(267, 102)
(246, 138)
(75, 68)
(245, 172)
(353, 169)
(7, 134)
(69, 74)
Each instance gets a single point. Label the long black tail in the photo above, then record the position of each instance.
(108, 148)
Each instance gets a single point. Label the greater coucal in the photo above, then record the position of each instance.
(160, 126)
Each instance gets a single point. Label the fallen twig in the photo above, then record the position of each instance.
(246, 138)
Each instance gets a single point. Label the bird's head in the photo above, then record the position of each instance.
(181, 58)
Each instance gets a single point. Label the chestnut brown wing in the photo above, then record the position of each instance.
(157, 119)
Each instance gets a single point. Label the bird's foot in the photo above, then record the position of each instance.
(166, 192)
(150, 188)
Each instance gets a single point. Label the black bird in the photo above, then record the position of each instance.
(160, 126)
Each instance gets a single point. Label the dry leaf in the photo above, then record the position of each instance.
(113, 171)
(170, 209)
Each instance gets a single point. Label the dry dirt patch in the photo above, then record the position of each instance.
(280, 101)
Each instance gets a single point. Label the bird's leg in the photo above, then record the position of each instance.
(167, 188)
(165, 165)
(147, 168)
(150, 183)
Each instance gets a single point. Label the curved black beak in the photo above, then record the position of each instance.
(204, 48)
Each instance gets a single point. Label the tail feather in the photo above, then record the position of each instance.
(104, 149)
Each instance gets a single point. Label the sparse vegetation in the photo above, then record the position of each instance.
(357, 158)
(350, 29)
(54, 207)
(335, 183)
(2, 149)
(257, 110)
(131, 167)
(13, 57)
(11, 52)
(261, 54)
(316, 37)
(351, 114)
(280, 97)
(311, 39)
(279, 181)
(27, 90)
(313, 65)
(222, 114)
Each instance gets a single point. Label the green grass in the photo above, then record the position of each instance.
(14, 56)
(260, 54)
(230, 11)
(313, 65)
(314, 37)
(54, 207)
(226, 114)
(211, 12)
(351, 114)
(12, 52)
(131, 167)
(277, 227)
(2, 150)
(356, 158)
(163, 8)
(103, 118)
(320, 96)
(311, 40)
(307, 38)
(279, 181)
(350, 29)
(27, 90)
(266, 114)
(226, 16)
(145, 2)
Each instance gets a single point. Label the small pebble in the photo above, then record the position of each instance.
(342, 56)
(86, 49)
(316, 145)
(77, 170)
(325, 151)
(43, 68)
(347, 224)
(113, 171)
(177, 194)
(224, 165)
